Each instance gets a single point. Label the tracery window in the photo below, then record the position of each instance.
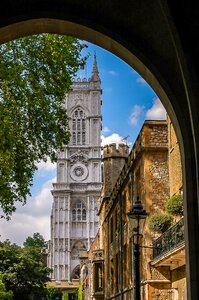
(79, 127)
(79, 211)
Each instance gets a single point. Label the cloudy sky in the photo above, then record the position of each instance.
(127, 101)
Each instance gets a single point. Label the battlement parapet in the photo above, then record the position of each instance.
(114, 150)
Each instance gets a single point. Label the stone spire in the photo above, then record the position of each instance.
(95, 72)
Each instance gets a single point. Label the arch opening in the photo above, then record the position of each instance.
(155, 80)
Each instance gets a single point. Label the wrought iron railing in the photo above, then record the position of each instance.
(169, 240)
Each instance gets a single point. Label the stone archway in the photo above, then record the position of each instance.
(156, 41)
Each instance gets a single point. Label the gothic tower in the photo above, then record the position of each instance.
(74, 220)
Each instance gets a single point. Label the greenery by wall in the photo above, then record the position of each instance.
(160, 222)
(174, 205)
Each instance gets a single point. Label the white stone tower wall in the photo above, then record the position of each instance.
(74, 220)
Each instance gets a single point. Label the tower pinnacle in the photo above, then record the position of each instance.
(95, 72)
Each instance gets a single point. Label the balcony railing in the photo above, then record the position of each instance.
(169, 240)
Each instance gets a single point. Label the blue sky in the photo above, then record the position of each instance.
(127, 101)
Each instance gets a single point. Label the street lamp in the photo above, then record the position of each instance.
(138, 214)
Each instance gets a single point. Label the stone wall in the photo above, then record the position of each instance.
(114, 159)
(178, 278)
(156, 180)
(155, 134)
(175, 167)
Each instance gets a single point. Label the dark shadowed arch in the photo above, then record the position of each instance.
(160, 40)
(76, 273)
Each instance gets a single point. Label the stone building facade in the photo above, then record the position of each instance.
(170, 260)
(143, 175)
(175, 166)
(74, 219)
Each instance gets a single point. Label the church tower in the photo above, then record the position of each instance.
(74, 220)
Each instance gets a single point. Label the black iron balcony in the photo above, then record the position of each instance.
(172, 238)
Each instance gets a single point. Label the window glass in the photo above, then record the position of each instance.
(79, 127)
(79, 211)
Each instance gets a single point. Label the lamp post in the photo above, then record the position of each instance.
(138, 214)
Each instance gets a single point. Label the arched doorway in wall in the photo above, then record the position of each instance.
(157, 57)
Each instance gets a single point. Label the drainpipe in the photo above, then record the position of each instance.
(131, 176)
(121, 247)
(108, 263)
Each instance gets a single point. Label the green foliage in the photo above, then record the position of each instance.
(51, 292)
(80, 293)
(174, 205)
(23, 271)
(3, 293)
(65, 296)
(37, 241)
(35, 74)
(159, 222)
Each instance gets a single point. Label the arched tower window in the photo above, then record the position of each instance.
(79, 211)
(78, 127)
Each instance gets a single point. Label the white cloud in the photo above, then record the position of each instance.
(141, 81)
(113, 73)
(136, 113)
(113, 138)
(22, 225)
(42, 202)
(46, 166)
(105, 130)
(157, 111)
(30, 218)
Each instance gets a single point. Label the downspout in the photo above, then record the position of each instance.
(131, 176)
(121, 247)
(108, 263)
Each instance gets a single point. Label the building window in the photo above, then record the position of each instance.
(112, 277)
(137, 183)
(117, 273)
(79, 215)
(79, 127)
(111, 229)
(125, 267)
(79, 211)
(124, 212)
(98, 279)
(74, 215)
(84, 215)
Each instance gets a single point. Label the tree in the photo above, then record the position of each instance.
(35, 74)
(23, 271)
(3, 293)
(37, 241)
